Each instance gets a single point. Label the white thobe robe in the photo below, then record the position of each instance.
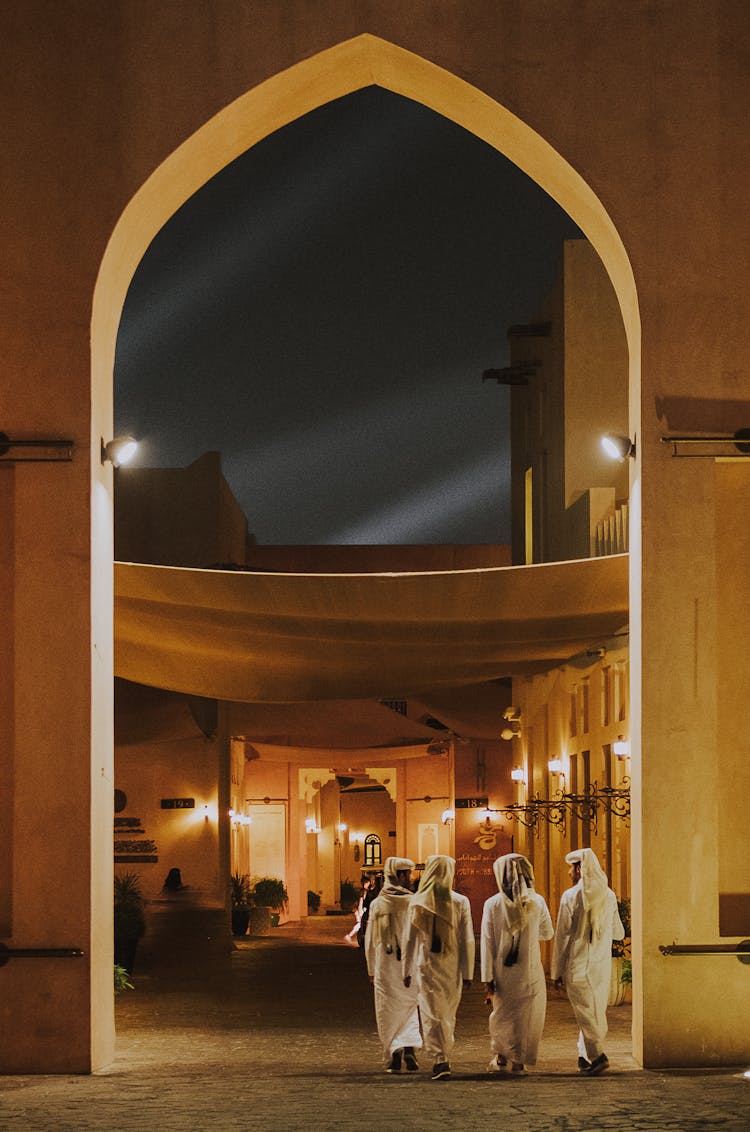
(586, 965)
(439, 978)
(519, 1004)
(396, 1010)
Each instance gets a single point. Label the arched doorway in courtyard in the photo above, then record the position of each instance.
(363, 61)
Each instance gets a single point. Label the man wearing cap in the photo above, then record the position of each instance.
(587, 922)
(395, 1005)
(439, 954)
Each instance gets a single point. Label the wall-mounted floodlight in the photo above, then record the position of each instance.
(518, 774)
(119, 451)
(617, 447)
(555, 766)
(621, 747)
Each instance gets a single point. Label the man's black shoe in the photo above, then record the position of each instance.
(583, 1065)
(598, 1065)
(394, 1065)
(410, 1060)
(440, 1069)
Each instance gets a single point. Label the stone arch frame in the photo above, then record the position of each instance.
(363, 61)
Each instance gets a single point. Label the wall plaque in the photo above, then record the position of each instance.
(178, 803)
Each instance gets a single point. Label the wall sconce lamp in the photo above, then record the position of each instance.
(512, 729)
(311, 826)
(448, 816)
(621, 748)
(555, 766)
(729, 447)
(518, 774)
(51, 451)
(119, 451)
(618, 447)
(342, 827)
(239, 819)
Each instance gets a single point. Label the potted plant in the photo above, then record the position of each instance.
(121, 980)
(622, 972)
(313, 901)
(130, 919)
(242, 900)
(270, 898)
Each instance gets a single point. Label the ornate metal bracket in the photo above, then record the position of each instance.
(584, 807)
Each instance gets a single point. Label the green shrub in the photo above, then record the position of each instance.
(270, 892)
(122, 982)
(313, 900)
(130, 919)
(242, 893)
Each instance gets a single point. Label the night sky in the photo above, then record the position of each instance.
(321, 313)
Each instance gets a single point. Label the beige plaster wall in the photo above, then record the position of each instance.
(596, 374)
(185, 839)
(651, 114)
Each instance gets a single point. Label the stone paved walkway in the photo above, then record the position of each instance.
(280, 1034)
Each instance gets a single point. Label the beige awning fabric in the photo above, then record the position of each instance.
(255, 637)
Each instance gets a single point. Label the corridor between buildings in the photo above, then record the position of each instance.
(279, 1033)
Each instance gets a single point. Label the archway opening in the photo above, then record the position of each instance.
(314, 83)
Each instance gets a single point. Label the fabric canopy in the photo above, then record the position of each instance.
(274, 638)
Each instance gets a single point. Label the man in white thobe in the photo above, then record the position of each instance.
(439, 955)
(587, 922)
(396, 1010)
(513, 922)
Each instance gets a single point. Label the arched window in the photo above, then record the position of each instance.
(373, 850)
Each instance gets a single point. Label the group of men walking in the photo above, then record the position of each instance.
(419, 948)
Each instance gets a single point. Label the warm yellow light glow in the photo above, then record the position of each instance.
(518, 774)
(555, 766)
(342, 827)
(617, 447)
(120, 451)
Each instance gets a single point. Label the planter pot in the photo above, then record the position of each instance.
(260, 921)
(240, 920)
(125, 949)
(619, 991)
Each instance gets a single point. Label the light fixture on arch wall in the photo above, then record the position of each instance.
(120, 450)
(618, 447)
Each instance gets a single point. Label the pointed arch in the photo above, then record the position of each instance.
(365, 60)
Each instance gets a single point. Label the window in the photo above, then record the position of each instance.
(373, 850)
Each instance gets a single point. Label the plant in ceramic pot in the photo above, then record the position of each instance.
(270, 895)
(130, 919)
(242, 902)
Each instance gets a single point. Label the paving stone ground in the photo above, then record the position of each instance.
(279, 1033)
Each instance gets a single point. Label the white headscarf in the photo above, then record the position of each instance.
(393, 898)
(432, 906)
(595, 887)
(395, 865)
(515, 879)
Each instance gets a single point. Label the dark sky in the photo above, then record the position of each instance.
(321, 313)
